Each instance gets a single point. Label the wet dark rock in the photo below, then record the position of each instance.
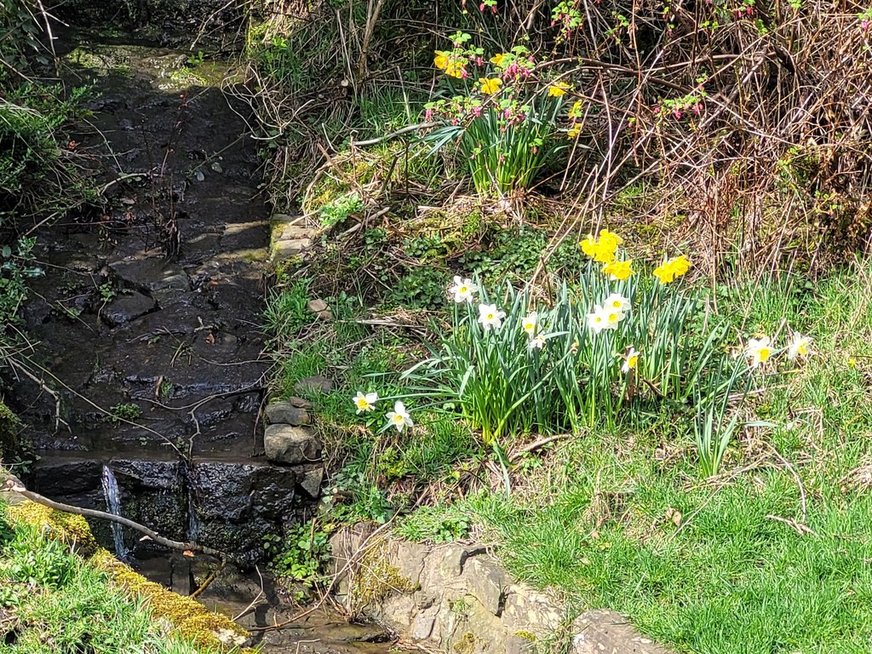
(127, 308)
(36, 312)
(284, 412)
(152, 274)
(138, 474)
(69, 477)
(311, 481)
(290, 445)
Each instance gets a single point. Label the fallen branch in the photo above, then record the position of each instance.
(14, 487)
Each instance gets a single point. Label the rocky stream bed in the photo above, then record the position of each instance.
(147, 328)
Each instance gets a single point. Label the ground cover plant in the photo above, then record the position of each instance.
(52, 601)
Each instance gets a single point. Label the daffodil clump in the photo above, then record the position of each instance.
(612, 343)
(501, 113)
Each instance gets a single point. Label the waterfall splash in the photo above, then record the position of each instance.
(113, 506)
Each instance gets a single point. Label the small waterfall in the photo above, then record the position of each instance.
(113, 506)
(193, 534)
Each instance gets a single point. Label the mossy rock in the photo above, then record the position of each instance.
(189, 618)
(68, 528)
(376, 579)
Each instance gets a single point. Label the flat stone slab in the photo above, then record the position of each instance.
(607, 632)
(127, 308)
(290, 445)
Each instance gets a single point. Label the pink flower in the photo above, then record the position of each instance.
(428, 115)
(677, 114)
(865, 24)
(476, 111)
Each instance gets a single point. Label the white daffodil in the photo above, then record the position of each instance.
(463, 290)
(596, 319)
(489, 316)
(399, 417)
(365, 402)
(800, 346)
(759, 350)
(616, 302)
(631, 360)
(530, 323)
(612, 317)
(537, 342)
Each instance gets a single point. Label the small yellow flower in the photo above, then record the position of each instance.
(619, 271)
(558, 89)
(573, 131)
(497, 59)
(576, 110)
(490, 86)
(852, 362)
(455, 69)
(441, 60)
(603, 248)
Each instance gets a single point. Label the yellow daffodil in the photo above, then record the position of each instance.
(455, 69)
(619, 271)
(672, 269)
(573, 131)
(602, 249)
(441, 60)
(631, 360)
(759, 350)
(490, 86)
(558, 89)
(497, 59)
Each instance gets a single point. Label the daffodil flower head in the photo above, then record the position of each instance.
(573, 131)
(489, 86)
(800, 347)
(672, 269)
(596, 320)
(529, 323)
(617, 302)
(537, 342)
(631, 360)
(603, 248)
(619, 271)
(365, 402)
(558, 89)
(613, 317)
(463, 290)
(759, 350)
(441, 60)
(399, 417)
(490, 317)
(497, 59)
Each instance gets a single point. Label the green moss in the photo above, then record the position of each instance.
(65, 527)
(466, 644)
(377, 579)
(190, 619)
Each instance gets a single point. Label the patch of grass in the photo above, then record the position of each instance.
(287, 311)
(63, 605)
(772, 555)
(434, 524)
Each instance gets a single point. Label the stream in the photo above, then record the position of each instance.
(146, 328)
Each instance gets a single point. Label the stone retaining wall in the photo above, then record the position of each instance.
(457, 598)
